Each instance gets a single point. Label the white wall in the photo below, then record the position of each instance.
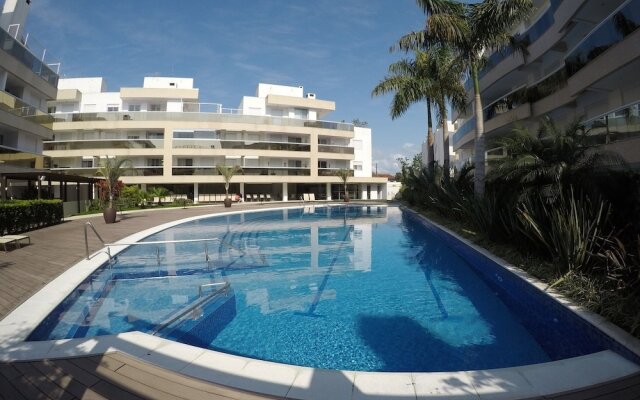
(253, 106)
(98, 102)
(362, 151)
(392, 189)
(158, 82)
(438, 144)
(14, 12)
(85, 85)
(265, 89)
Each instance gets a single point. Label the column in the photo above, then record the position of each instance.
(242, 194)
(78, 196)
(143, 187)
(3, 187)
(285, 191)
(39, 186)
(90, 191)
(195, 193)
(328, 191)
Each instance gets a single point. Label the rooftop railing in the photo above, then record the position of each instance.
(25, 55)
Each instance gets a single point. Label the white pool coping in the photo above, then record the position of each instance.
(310, 383)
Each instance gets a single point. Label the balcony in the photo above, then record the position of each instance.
(91, 171)
(24, 56)
(331, 171)
(239, 144)
(201, 117)
(212, 170)
(104, 144)
(463, 131)
(327, 148)
(18, 107)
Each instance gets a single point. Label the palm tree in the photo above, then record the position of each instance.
(112, 169)
(412, 83)
(472, 29)
(344, 175)
(227, 173)
(446, 70)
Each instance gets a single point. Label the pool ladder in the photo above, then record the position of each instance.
(158, 257)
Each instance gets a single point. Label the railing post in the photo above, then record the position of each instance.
(206, 252)
(86, 241)
(158, 255)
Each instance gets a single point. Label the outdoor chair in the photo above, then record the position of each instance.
(8, 239)
(312, 197)
(268, 197)
(248, 197)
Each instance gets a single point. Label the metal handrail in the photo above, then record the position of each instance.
(205, 285)
(86, 238)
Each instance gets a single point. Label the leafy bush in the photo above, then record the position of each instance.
(182, 202)
(24, 215)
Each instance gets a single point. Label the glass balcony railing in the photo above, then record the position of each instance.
(104, 144)
(238, 144)
(209, 170)
(18, 107)
(91, 171)
(331, 171)
(325, 148)
(201, 117)
(616, 126)
(463, 130)
(22, 54)
(610, 32)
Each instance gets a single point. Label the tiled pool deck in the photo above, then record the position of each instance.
(135, 365)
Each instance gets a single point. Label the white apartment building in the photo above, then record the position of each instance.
(581, 63)
(278, 137)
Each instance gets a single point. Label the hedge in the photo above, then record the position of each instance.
(24, 215)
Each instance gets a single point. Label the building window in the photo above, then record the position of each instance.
(87, 163)
(300, 113)
(134, 107)
(51, 110)
(323, 164)
(154, 162)
(155, 107)
(133, 137)
(357, 166)
(185, 162)
(113, 107)
(155, 135)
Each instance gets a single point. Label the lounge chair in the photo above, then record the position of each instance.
(5, 241)
(255, 197)
(8, 239)
(305, 197)
(248, 197)
(261, 198)
(312, 197)
(268, 197)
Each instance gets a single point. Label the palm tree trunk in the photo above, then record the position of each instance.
(430, 152)
(445, 144)
(478, 157)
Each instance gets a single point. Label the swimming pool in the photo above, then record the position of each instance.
(351, 288)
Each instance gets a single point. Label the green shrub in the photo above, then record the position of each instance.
(182, 202)
(24, 215)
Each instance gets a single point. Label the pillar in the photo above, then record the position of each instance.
(195, 193)
(285, 191)
(50, 193)
(242, 194)
(78, 196)
(3, 187)
(328, 191)
(89, 191)
(39, 187)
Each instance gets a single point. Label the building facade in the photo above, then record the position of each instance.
(581, 64)
(278, 138)
(26, 84)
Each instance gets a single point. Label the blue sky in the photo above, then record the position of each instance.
(336, 49)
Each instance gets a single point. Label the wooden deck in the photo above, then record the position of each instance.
(116, 375)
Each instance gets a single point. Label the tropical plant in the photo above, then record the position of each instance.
(344, 175)
(227, 173)
(472, 30)
(159, 192)
(112, 169)
(412, 83)
(550, 161)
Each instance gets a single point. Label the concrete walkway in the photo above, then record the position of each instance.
(53, 250)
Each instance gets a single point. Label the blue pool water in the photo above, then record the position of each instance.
(354, 288)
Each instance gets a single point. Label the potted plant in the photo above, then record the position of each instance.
(227, 173)
(112, 169)
(344, 175)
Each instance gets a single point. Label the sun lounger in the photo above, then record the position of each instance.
(15, 239)
(312, 197)
(261, 198)
(255, 197)
(305, 197)
(248, 197)
(268, 197)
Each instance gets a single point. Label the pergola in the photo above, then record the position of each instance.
(39, 176)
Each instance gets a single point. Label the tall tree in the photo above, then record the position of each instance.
(412, 83)
(473, 30)
(446, 70)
